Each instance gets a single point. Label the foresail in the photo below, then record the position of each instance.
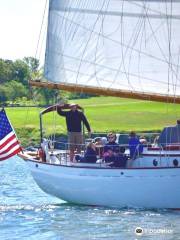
(110, 44)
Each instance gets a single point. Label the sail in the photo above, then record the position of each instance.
(124, 45)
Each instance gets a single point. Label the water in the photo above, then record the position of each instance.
(28, 213)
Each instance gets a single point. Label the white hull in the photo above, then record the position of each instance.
(140, 188)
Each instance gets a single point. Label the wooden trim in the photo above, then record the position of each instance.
(107, 91)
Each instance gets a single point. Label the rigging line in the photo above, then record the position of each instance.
(122, 64)
(159, 45)
(154, 36)
(43, 39)
(145, 39)
(155, 30)
(95, 58)
(112, 69)
(168, 70)
(101, 29)
(177, 75)
(141, 42)
(124, 45)
(86, 45)
(42, 23)
(50, 16)
(107, 81)
(65, 26)
(175, 108)
(126, 51)
(169, 29)
(34, 99)
(78, 15)
(102, 79)
(169, 59)
(136, 33)
(30, 89)
(135, 40)
(70, 28)
(54, 120)
(143, 36)
(148, 8)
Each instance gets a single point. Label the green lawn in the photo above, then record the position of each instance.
(104, 114)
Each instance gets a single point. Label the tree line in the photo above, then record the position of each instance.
(15, 90)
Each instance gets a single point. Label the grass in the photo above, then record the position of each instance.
(104, 114)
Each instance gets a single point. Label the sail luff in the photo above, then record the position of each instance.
(107, 92)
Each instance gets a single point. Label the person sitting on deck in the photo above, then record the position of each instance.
(113, 153)
(90, 154)
(120, 160)
(111, 145)
(135, 146)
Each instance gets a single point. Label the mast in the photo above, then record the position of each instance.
(107, 92)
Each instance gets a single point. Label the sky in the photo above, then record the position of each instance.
(20, 25)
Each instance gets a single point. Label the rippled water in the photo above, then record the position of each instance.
(28, 213)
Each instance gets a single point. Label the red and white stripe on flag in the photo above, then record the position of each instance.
(9, 146)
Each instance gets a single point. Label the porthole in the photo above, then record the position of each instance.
(37, 165)
(175, 162)
(155, 162)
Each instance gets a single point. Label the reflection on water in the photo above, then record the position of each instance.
(28, 213)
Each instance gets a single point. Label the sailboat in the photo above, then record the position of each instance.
(119, 48)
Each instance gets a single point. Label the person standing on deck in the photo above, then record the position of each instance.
(74, 120)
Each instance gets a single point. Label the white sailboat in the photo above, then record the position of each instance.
(117, 48)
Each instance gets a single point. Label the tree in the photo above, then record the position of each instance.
(21, 72)
(14, 90)
(6, 70)
(32, 63)
(3, 94)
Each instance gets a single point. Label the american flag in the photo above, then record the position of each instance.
(9, 145)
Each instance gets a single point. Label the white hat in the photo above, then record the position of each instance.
(72, 104)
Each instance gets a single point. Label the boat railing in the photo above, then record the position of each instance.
(103, 157)
(62, 156)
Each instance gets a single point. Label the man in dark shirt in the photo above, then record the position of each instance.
(74, 120)
(111, 149)
(113, 153)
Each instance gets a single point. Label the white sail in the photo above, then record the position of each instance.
(125, 45)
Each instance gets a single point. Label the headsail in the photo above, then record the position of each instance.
(130, 46)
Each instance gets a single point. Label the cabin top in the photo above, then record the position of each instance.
(170, 135)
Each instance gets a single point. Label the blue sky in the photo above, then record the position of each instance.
(20, 24)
